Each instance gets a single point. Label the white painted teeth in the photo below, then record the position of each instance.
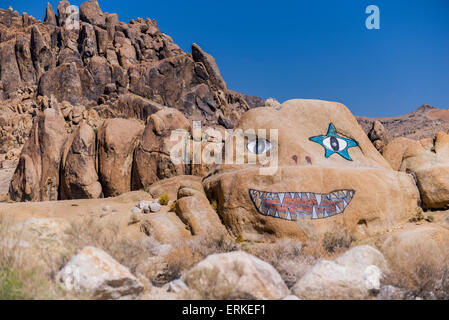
(314, 215)
(318, 198)
(288, 217)
(281, 196)
(299, 211)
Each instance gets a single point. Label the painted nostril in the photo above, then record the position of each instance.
(309, 161)
(295, 158)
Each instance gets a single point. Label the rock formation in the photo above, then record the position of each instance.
(315, 186)
(89, 65)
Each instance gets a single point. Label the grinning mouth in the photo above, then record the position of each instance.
(301, 205)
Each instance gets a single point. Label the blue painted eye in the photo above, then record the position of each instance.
(259, 146)
(333, 143)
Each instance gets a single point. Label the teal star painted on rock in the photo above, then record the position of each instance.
(333, 143)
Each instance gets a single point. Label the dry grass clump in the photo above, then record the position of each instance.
(186, 254)
(337, 242)
(164, 199)
(420, 216)
(286, 256)
(129, 252)
(211, 284)
(422, 272)
(22, 276)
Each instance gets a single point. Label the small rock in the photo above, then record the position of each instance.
(146, 209)
(177, 286)
(136, 210)
(106, 208)
(362, 256)
(142, 203)
(329, 280)
(154, 207)
(237, 275)
(94, 272)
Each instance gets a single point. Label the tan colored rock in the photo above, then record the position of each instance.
(209, 65)
(165, 227)
(9, 69)
(90, 12)
(417, 248)
(328, 280)
(195, 211)
(363, 256)
(41, 52)
(37, 175)
(236, 275)
(171, 186)
(393, 152)
(152, 161)
(133, 106)
(378, 136)
(427, 143)
(95, 273)
(329, 192)
(117, 139)
(50, 17)
(431, 170)
(79, 179)
(63, 82)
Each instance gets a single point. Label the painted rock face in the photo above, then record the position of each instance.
(317, 172)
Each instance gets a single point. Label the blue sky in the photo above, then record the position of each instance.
(310, 49)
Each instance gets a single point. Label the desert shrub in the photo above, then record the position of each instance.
(335, 242)
(88, 232)
(22, 276)
(421, 272)
(418, 215)
(11, 286)
(286, 256)
(185, 254)
(211, 284)
(164, 199)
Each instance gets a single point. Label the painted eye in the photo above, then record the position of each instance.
(335, 144)
(259, 146)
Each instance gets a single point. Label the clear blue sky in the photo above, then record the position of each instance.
(310, 49)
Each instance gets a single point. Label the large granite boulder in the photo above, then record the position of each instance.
(117, 139)
(79, 178)
(319, 173)
(37, 175)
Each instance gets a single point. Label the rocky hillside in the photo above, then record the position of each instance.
(100, 69)
(114, 68)
(424, 122)
(94, 206)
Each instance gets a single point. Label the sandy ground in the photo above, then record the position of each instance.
(108, 210)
